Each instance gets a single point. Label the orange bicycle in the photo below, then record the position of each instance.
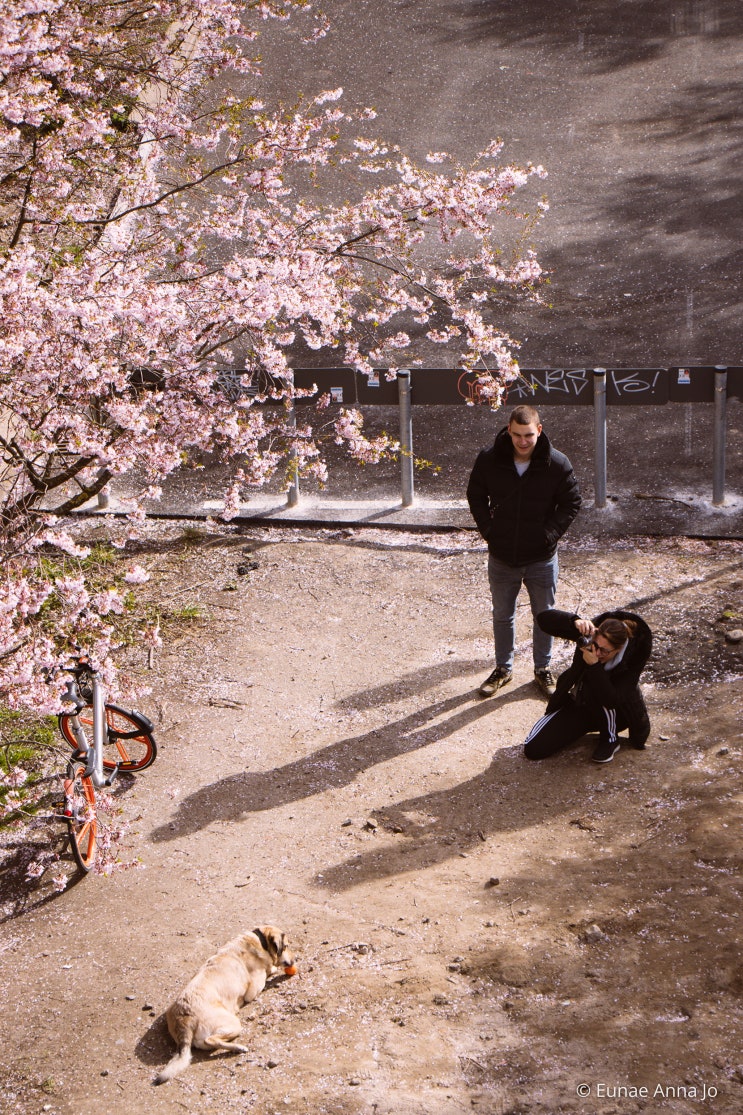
(106, 739)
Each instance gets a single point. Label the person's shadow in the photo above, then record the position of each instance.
(513, 794)
(339, 763)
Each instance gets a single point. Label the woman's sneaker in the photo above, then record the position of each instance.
(501, 675)
(605, 751)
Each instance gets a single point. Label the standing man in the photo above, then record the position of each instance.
(523, 495)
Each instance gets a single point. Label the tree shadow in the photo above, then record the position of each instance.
(654, 263)
(45, 840)
(336, 765)
(609, 34)
(663, 594)
(21, 895)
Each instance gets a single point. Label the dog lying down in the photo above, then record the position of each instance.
(205, 1013)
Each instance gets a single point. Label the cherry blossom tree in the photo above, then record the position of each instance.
(158, 228)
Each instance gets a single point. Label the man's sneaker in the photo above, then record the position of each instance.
(605, 751)
(545, 681)
(501, 675)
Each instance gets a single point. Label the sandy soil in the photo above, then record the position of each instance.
(473, 932)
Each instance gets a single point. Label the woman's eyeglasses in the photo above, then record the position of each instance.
(598, 649)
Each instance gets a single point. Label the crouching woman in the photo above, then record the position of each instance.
(600, 691)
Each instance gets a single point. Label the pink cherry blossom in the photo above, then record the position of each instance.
(158, 234)
(136, 575)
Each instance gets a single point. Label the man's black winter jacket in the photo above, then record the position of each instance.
(522, 518)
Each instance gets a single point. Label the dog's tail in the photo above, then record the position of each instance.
(176, 1064)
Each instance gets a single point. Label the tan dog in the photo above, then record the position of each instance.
(205, 1013)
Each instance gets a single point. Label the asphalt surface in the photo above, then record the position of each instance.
(635, 109)
(633, 106)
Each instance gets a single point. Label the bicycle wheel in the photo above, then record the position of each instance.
(80, 815)
(129, 741)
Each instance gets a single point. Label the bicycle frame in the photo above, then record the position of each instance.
(93, 755)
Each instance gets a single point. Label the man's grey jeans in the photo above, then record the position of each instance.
(540, 578)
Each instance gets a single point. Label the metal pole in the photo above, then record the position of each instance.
(599, 430)
(718, 443)
(292, 496)
(99, 729)
(406, 437)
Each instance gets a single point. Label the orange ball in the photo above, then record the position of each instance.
(290, 970)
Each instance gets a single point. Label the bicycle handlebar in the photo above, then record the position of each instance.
(80, 686)
(73, 695)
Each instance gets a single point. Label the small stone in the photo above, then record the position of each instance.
(734, 636)
(370, 825)
(348, 821)
(664, 737)
(272, 1064)
(724, 751)
(593, 933)
(104, 1072)
(130, 998)
(440, 1000)
(493, 881)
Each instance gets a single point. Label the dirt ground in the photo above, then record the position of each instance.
(473, 932)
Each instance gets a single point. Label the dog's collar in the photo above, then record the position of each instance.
(263, 940)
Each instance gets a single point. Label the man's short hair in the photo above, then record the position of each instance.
(524, 415)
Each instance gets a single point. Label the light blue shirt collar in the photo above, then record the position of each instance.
(617, 657)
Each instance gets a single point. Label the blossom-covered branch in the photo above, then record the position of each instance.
(156, 231)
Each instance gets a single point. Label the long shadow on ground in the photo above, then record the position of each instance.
(338, 764)
(511, 795)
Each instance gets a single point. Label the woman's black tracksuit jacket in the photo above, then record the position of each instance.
(607, 700)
